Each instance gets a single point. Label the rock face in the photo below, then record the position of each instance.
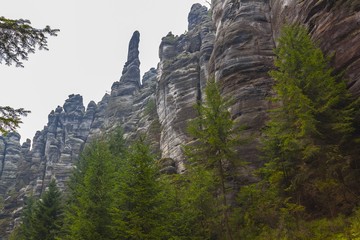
(233, 42)
(10, 156)
(182, 74)
(240, 61)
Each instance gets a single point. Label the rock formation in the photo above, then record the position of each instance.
(240, 61)
(233, 42)
(182, 73)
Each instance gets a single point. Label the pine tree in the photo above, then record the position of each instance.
(42, 219)
(18, 38)
(10, 118)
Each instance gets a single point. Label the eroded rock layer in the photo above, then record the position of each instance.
(182, 73)
(241, 59)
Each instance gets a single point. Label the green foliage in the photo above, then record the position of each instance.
(214, 131)
(216, 143)
(92, 188)
(193, 210)
(170, 38)
(48, 214)
(10, 118)
(26, 229)
(18, 38)
(41, 219)
(138, 206)
(115, 193)
(150, 107)
(314, 119)
(308, 180)
(117, 144)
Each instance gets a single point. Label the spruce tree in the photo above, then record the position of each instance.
(193, 210)
(42, 219)
(48, 214)
(91, 195)
(217, 139)
(306, 133)
(139, 204)
(26, 229)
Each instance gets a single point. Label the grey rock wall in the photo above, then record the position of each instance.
(182, 74)
(10, 157)
(240, 61)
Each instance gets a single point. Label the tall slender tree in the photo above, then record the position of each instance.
(306, 134)
(217, 139)
(26, 229)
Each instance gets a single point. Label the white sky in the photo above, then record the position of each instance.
(88, 54)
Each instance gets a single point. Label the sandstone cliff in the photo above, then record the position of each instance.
(233, 42)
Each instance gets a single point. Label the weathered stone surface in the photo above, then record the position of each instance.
(167, 166)
(53, 154)
(182, 73)
(117, 107)
(130, 80)
(10, 157)
(242, 57)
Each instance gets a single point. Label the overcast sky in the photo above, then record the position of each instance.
(88, 54)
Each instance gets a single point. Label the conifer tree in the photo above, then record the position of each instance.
(139, 205)
(217, 140)
(26, 229)
(18, 38)
(193, 211)
(48, 214)
(91, 195)
(42, 219)
(307, 131)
